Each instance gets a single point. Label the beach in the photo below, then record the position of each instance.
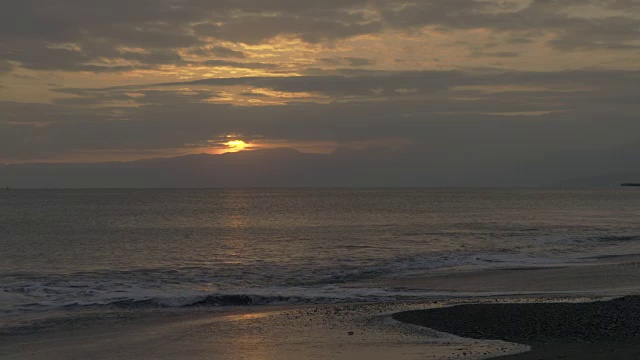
(586, 323)
(327, 332)
(603, 324)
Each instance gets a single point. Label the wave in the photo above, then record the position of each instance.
(194, 286)
(205, 287)
(248, 297)
(619, 238)
(215, 300)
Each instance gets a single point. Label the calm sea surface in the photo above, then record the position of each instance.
(61, 249)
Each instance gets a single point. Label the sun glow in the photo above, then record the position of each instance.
(236, 145)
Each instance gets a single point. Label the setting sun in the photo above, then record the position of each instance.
(236, 145)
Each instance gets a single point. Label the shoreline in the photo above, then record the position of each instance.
(488, 328)
(378, 330)
(343, 331)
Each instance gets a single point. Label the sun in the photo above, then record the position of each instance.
(236, 145)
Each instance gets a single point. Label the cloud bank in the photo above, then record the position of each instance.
(459, 82)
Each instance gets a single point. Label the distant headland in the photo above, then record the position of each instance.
(630, 184)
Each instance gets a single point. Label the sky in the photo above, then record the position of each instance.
(479, 80)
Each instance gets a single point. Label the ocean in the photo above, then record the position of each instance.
(63, 250)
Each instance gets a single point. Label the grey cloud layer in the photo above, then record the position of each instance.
(446, 115)
(33, 31)
(450, 111)
(347, 61)
(370, 83)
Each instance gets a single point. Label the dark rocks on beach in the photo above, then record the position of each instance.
(603, 321)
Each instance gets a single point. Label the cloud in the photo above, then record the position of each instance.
(318, 72)
(5, 67)
(255, 29)
(89, 97)
(38, 55)
(488, 112)
(284, 167)
(571, 28)
(498, 54)
(72, 35)
(347, 61)
(240, 65)
(220, 51)
(378, 83)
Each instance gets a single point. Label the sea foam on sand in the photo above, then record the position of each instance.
(350, 331)
(309, 332)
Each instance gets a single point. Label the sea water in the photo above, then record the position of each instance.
(66, 249)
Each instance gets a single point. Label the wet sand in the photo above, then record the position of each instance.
(592, 330)
(474, 309)
(356, 331)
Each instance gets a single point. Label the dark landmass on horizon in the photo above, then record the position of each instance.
(345, 167)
